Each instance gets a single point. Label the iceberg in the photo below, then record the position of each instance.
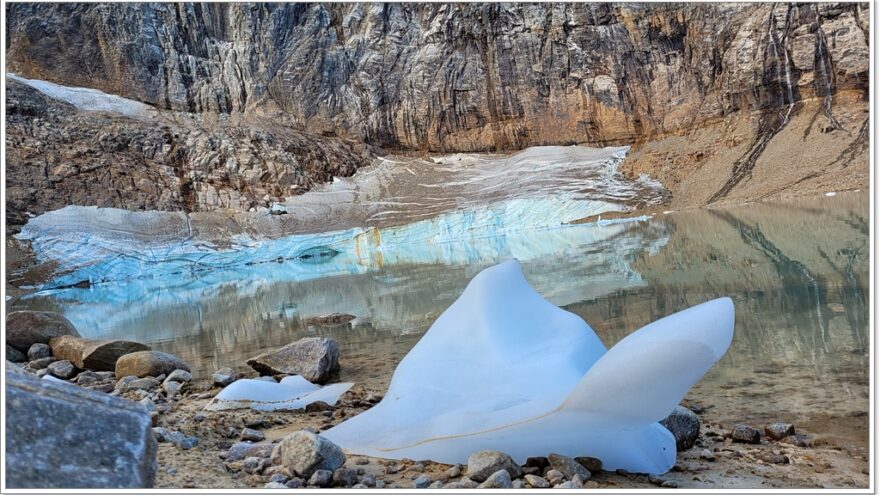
(504, 369)
(292, 392)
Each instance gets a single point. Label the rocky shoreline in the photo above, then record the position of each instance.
(245, 448)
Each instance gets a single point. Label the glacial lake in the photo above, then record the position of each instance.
(798, 272)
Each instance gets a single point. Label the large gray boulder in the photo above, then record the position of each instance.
(97, 355)
(303, 453)
(26, 328)
(148, 363)
(314, 358)
(59, 435)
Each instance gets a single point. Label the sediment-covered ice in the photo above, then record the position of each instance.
(503, 369)
(292, 392)
(87, 98)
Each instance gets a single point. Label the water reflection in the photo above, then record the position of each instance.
(797, 271)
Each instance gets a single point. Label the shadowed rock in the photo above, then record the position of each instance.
(685, 427)
(97, 355)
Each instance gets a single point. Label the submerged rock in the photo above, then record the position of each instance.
(148, 363)
(63, 436)
(685, 427)
(26, 328)
(314, 358)
(304, 453)
(96, 355)
(481, 465)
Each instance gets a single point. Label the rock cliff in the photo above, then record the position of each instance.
(467, 77)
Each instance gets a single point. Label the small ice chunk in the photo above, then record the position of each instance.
(292, 392)
(830, 194)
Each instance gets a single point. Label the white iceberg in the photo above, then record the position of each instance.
(292, 392)
(504, 369)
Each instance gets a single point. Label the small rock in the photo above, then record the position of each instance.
(171, 388)
(536, 481)
(62, 369)
(275, 484)
(295, 483)
(255, 465)
(314, 358)
(105, 387)
(278, 478)
(368, 479)
(707, 455)
(498, 479)
(185, 442)
(146, 383)
(39, 351)
(685, 427)
(334, 319)
(592, 464)
(148, 363)
(241, 450)
(182, 376)
(148, 404)
(776, 459)
(322, 478)
(554, 477)
(344, 477)
(423, 481)
(745, 434)
(518, 484)
(435, 485)
(305, 452)
(485, 463)
(38, 364)
(454, 471)
(537, 462)
(224, 377)
(568, 467)
(669, 484)
(798, 439)
(198, 417)
(14, 355)
(252, 435)
(778, 431)
(359, 486)
(41, 373)
(87, 378)
(468, 483)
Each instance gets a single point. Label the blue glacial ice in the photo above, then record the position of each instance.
(292, 392)
(552, 387)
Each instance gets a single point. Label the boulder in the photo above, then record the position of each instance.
(26, 328)
(97, 355)
(685, 427)
(148, 363)
(303, 453)
(62, 436)
(568, 467)
(485, 463)
(314, 358)
(14, 355)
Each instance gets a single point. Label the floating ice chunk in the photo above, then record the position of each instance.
(503, 369)
(292, 392)
(87, 98)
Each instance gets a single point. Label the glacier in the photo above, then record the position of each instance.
(553, 386)
(87, 98)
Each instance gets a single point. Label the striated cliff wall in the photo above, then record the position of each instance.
(260, 101)
(453, 77)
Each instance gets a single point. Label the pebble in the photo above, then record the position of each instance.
(224, 377)
(344, 477)
(255, 465)
(322, 478)
(436, 484)
(454, 471)
(684, 425)
(485, 463)
(252, 435)
(554, 477)
(39, 351)
(275, 484)
(295, 483)
(568, 467)
(536, 481)
(179, 375)
(38, 364)
(87, 378)
(359, 486)
(198, 417)
(498, 479)
(776, 459)
(468, 483)
(368, 479)
(518, 485)
(278, 478)
(778, 431)
(62, 369)
(171, 388)
(185, 442)
(745, 434)
(707, 455)
(423, 481)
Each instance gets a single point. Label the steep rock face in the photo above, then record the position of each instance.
(453, 77)
(57, 155)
